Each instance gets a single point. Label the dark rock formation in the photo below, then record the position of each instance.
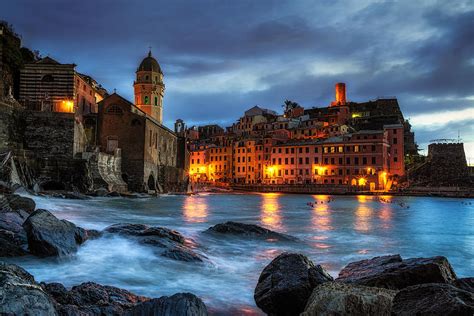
(333, 298)
(11, 244)
(181, 304)
(466, 284)
(21, 295)
(285, 285)
(433, 299)
(248, 230)
(49, 236)
(91, 299)
(18, 202)
(166, 242)
(392, 272)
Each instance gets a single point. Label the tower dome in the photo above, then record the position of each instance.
(149, 64)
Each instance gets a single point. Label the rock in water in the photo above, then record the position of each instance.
(392, 272)
(248, 230)
(285, 285)
(181, 304)
(49, 236)
(433, 299)
(166, 242)
(18, 202)
(92, 299)
(333, 298)
(21, 295)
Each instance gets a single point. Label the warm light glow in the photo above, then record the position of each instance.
(270, 211)
(363, 221)
(362, 181)
(320, 170)
(271, 170)
(195, 209)
(66, 106)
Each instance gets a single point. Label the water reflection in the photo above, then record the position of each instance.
(321, 215)
(195, 209)
(363, 220)
(270, 211)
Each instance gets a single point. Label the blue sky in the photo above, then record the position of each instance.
(222, 57)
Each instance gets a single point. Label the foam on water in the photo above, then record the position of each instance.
(332, 234)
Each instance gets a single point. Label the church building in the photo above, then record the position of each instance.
(147, 147)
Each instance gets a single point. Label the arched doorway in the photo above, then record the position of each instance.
(151, 182)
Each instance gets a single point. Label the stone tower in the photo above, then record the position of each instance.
(149, 88)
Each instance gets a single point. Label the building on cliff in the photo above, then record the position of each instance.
(47, 85)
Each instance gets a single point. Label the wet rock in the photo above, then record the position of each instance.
(13, 221)
(285, 285)
(92, 299)
(11, 244)
(18, 202)
(181, 304)
(49, 236)
(433, 299)
(21, 295)
(113, 194)
(166, 242)
(392, 272)
(466, 284)
(333, 298)
(248, 230)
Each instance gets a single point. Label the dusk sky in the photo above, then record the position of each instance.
(220, 58)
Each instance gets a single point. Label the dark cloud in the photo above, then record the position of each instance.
(221, 57)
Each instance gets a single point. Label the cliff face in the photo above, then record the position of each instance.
(445, 165)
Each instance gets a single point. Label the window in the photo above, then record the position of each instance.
(292, 161)
(395, 140)
(114, 109)
(315, 150)
(47, 78)
(364, 160)
(300, 150)
(356, 148)
(300, 160)
(156, 100)
(316, 160)
(146, 99)
(373, 148)
(307, 160)
(340, 149)
(356, 160)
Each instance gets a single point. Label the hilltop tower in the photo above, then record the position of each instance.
(149, 88)
(340, 94)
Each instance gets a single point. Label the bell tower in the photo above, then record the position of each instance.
(149, 88)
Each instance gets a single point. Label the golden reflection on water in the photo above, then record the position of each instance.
(321, 215)
(195, 209)
(363, 220)
(270, 211)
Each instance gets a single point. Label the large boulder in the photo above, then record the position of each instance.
(18, 202)
(248, 231)
(392, 272)
(49, 236)
(285, 285)
(92, 299)
(333, 298)
(166, 242)
(181, 304)
(433, 299)
(21, 295)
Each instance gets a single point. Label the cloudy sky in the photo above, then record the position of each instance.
(222, 57)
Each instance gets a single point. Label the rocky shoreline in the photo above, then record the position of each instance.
(291, 284)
